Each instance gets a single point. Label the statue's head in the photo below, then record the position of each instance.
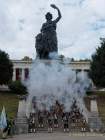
(48, 16)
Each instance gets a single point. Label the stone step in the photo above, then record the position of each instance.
(22, 122)
(71, 129)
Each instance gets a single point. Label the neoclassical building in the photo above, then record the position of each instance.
(22, 68)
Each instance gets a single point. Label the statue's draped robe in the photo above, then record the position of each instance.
(46, 41)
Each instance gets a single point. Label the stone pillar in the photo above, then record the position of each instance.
(93, 106)
(82, 70)
(23, 75)
(14, 75)
(21, 121)
(22, 108)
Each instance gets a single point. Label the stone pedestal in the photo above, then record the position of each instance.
(21, 125)
(94, 119)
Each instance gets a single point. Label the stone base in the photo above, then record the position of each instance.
(95, 124)
(21, 125)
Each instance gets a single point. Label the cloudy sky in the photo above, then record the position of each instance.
(79, 30)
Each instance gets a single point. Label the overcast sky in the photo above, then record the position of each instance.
(79, 30)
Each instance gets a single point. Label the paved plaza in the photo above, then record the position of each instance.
(59, 136)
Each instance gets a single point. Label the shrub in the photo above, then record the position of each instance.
(17, 87)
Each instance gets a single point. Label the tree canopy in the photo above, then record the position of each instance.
(97, 68)
(27, 58)
(6, 68)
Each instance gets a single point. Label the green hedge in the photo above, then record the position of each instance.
(17, 87)
(98, 93)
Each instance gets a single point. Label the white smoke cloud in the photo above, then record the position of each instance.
(51, 81)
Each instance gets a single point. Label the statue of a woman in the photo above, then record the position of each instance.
(46, 41)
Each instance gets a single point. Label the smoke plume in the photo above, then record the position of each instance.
(51, 80)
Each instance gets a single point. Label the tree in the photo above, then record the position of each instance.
(6, 68)
(97, 67)
(27, 58)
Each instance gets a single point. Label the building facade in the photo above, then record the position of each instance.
(22, 68)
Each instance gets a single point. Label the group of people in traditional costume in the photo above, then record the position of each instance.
(55, 118)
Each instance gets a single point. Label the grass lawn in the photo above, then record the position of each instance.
(10, 102)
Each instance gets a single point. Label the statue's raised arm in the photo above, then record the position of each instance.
(59, 13)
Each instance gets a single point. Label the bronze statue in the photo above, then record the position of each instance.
(46, 41)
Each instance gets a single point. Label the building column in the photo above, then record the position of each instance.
(14, 75)
(23, 75)
(82, 70)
